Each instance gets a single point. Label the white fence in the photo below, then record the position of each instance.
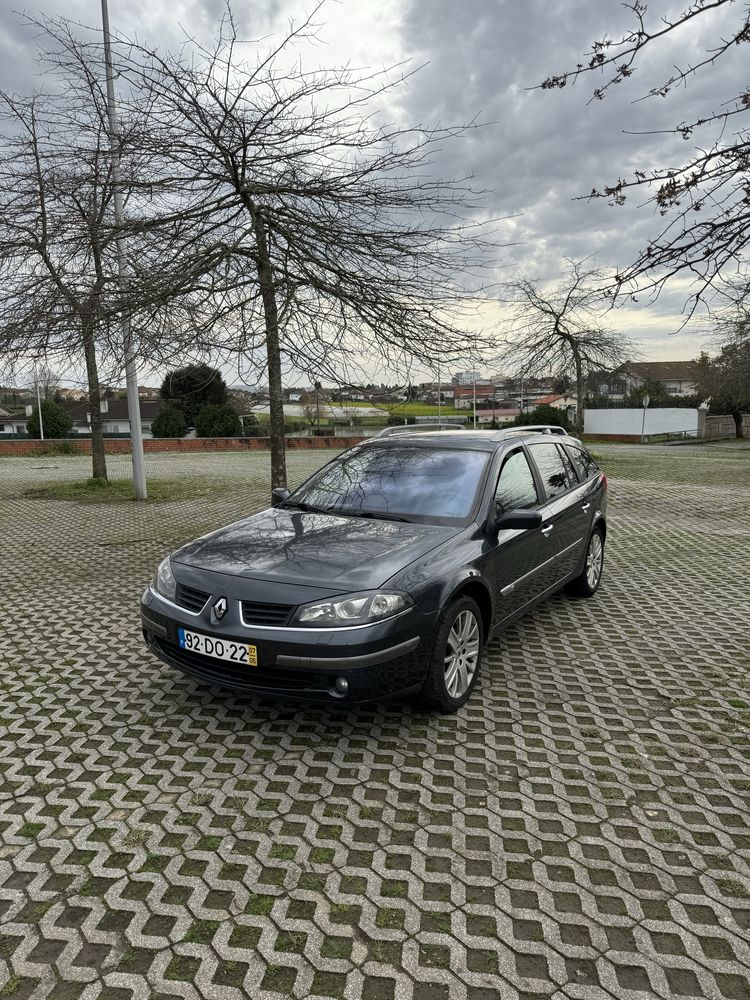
(667, 420)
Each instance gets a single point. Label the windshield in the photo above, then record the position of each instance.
(397, 481)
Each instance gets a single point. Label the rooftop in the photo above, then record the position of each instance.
(661, 370)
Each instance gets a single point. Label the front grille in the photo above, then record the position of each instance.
(190, 599)
(256, 613)
(239, 675)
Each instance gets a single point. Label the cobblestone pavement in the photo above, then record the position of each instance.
(578, 830)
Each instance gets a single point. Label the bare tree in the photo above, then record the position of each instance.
(725, 378)
(556, 331)
(706, 199)
(58, 292)
(299, 222)
(48, 381)
(53, 248)
(310, 406)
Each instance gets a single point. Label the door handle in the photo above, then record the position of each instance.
(585, 506)
(546, 529)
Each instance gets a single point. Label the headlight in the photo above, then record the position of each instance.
(353, 609)
(164, 581)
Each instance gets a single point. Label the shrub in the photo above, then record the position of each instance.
(218, 420)
(544, 414)
(251, 426)
(192, 388)
(169, 422)
(57, 422)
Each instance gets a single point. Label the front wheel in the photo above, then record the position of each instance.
(587, 584)
(456, 657)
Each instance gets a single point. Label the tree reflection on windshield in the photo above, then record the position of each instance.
(400, 481)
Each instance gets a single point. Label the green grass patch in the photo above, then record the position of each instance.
(99, 491)
(410, 409)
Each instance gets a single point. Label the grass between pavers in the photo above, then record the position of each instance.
(100, 491)
(705, 464)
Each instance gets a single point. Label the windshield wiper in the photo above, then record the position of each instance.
(380, 515)
(308, 508)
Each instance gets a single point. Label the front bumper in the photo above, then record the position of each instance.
(380, 661)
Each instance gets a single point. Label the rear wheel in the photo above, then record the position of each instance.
(587, 584)
(456, 657)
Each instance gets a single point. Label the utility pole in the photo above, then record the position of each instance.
(475, 401)
(440, 394)
(38, 403)
(131, 377)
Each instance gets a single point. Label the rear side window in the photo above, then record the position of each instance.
(515, 485)
(583, 462)
(551, 468)
(568, 466)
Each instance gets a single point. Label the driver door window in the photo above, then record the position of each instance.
(515, 485)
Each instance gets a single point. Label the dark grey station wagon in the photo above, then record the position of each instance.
(388, 571)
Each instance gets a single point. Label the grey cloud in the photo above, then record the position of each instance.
(540, 150)
(549, 147)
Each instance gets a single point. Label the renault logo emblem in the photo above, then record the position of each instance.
(220, 608)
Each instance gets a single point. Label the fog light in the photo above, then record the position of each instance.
(342, 684)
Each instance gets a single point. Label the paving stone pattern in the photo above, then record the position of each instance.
(578, 830)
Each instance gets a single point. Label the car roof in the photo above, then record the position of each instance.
(470, 439)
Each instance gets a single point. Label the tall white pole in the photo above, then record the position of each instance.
(475, 402)
(38, 403)
(131, 377)
(440, 394)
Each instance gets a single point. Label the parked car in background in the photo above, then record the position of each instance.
(388, 571)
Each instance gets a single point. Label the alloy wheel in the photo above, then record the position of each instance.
(594, 560)
(461, 654)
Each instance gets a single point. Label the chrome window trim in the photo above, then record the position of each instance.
(304, 629)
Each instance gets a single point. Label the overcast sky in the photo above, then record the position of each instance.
(541, 148)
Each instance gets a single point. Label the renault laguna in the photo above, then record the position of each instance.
(387, 572)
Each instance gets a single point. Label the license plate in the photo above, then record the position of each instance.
(220, 649)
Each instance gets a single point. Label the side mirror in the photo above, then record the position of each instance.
(279, 495)
(519, 519)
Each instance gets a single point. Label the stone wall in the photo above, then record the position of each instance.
(711, 426)
(119, 446)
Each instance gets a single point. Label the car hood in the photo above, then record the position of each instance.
(326, 550)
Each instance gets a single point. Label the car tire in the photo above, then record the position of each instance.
(587, 584)
(460, 637)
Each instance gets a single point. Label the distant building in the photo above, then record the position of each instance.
(676, 377)
(558, 401)
(12, 422)
(506, 415)
(114, 415)
(465, 378)
(464, 395)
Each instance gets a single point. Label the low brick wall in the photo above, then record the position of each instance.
(120, 446)
(627, 438)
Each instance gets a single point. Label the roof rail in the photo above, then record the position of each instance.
(532, 429)
(412, 428)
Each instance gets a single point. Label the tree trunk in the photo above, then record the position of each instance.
(98, 458)
(737, 416)
(273, 353)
